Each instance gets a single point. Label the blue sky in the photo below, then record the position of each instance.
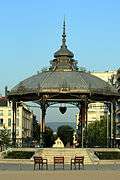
(30, 33)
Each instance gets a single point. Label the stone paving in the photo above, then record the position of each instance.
(88, 167)
(60, 175)
(23, 169)
(90, 172)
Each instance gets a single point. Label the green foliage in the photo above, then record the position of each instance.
(48, 137)
(5, 137)
(36, 131)
(107, 155)
(19, 155)
(65, 133)
(97, 133)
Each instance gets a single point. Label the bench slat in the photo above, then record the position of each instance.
(58, 160)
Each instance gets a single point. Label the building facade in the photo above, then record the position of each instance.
(118, 107)
(24, 120)
(113, 77)
(98, 110)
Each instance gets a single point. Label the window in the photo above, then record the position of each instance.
(9, 112)
(1, 112)
(1, 122)
(17, 132)
(18, 113)
(17, 122)
(9, 121)
(102, 117)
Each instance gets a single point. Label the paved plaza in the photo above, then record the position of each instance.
(25, 171)
(60, 175)
(88, 167)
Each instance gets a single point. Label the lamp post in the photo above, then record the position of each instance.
(82, 142)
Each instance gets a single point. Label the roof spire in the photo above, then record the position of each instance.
(64, 35)
(63, 51)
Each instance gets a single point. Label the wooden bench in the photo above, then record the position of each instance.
(58, 160)
(78, 160)
(41, 162)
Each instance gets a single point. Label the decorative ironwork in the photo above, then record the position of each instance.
(62, 83)
(21, 88)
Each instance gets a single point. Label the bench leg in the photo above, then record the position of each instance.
(75, 166)
(46, 166)
(34, 166)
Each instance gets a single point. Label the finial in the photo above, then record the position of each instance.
(63, 35)
(63, 51)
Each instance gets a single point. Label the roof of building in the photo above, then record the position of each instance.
(51, 81)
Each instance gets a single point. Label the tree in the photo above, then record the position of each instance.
(65, 133)
(48, 137)
(36, 131)
(97, 133)
(5, 137)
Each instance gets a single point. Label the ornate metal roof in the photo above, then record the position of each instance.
(68, 81)
(63, 76)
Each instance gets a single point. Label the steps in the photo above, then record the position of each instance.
(68, 153)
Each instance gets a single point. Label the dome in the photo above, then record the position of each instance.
(54, 81)
(63, 51)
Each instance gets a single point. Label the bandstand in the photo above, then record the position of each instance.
(64, 83)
